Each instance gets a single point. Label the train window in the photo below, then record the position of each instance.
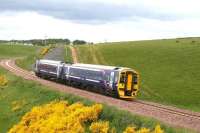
(95, 75)
(48, 67)
(135, 79)
(71, 72)
(112, 77)
(122, 78)
(116, 77)
(78, 72)
(107, 76)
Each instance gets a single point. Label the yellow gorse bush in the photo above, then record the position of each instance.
(131, 129)
(60, 117)
(57, 117)
(44, 51)
(158, 129)
(99, 127)
(3, 80)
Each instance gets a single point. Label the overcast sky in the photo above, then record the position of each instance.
(99, 20)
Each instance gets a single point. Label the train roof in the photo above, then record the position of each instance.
(97, 66)
(50, 61)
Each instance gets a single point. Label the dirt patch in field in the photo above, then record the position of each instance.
(74, 54)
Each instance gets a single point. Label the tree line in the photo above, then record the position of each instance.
(43, 42)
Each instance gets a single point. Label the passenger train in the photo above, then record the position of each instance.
(120, 82)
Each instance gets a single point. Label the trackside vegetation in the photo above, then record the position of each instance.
(20, 96)
(68, 55)
(59, 116)
(169, 68)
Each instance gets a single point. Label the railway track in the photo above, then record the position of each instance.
(171, 115)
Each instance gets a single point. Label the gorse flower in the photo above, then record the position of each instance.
(143, 130)
(44, 51)
(60, 117)
(99, 127)
(3, 80)
(57, 117)
(130, 129)
(158, 129)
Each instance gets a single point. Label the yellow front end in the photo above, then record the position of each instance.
(128, 84)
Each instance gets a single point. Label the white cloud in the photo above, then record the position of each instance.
(31, 24)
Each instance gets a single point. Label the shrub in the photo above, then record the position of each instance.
(3, 80)
(59, 116)
(131, 129)
(99, 127)
(44, 51)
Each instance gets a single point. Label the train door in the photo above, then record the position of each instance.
(121, 84)
(129, 83)
(126, 83)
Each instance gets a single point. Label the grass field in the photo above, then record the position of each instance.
(30, 94)
(27, 54)
(7, 51)
(169, 68)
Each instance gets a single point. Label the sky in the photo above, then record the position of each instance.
(99, 20)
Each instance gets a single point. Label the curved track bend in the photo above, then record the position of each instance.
(171, 115)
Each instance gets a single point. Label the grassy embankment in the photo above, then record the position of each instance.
(26, 54)
(169, 68)
(13, 51)
(28, 94)
(20, 95)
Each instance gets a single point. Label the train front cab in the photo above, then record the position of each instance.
(128, 84)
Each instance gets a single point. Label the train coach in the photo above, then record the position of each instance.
(120, 82)
(49, 68)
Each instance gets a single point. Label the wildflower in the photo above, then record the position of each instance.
(99, 127)
(3, 80)
(143, 130)
(158, 129)
(130, 129)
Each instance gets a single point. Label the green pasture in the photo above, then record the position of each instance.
(169, 69)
